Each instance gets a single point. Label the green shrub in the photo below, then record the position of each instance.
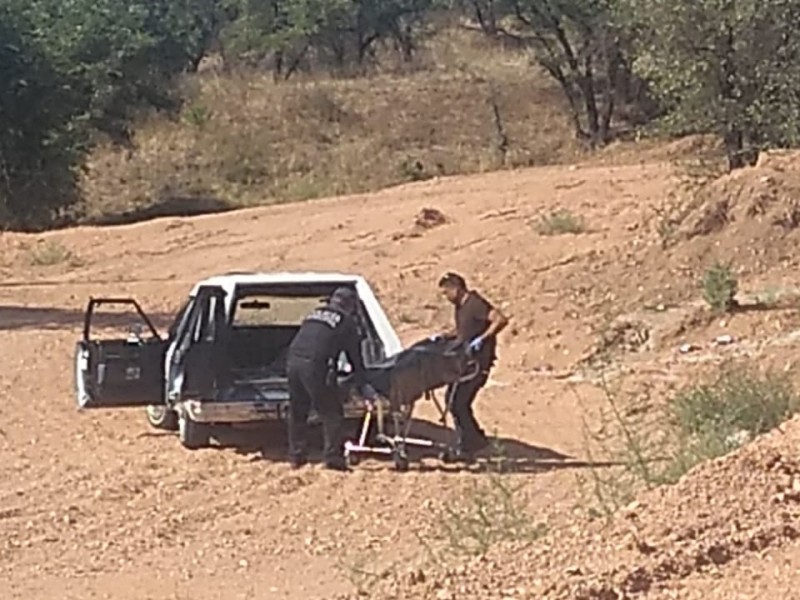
(560, 222)
(720, 287)
(702, 422)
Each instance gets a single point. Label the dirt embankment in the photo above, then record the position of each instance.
(721, 512)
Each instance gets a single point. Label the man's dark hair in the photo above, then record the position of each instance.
(451, 279)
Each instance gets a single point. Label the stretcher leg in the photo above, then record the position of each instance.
(396, 445)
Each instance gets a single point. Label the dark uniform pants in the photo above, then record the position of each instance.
(469, 435)
(309, 388)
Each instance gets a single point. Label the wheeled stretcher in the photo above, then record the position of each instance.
(400, 382)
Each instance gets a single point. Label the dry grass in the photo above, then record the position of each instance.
(560, 222)
(246, 140)
(50, 253)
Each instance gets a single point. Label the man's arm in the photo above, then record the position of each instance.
(497, 322)
(352, 347)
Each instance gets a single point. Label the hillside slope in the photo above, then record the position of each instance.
(99, 505)
(465, 106)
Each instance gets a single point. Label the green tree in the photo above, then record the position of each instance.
(279, 31)
(723, 66)
(580, 44)
(335, 34)
(72, 68)
(122, 55)
(38, 144)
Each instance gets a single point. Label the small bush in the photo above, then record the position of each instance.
(197, 115)
(489, 513)
(51, 253)
(414, 170)
(702, 422)
(363, 575)
(720, 287)
(560, 222)
(712, 419)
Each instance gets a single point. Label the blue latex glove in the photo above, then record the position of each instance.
(476, 344)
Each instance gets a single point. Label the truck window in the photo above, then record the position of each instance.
(273, 311)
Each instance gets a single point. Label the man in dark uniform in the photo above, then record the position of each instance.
(477, 324)
(311, 369)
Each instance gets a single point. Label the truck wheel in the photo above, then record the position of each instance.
(162, 417)
(193, 435)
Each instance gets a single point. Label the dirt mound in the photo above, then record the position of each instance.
(749, 218)
(428, 218)
(718, 513)
(765, 197)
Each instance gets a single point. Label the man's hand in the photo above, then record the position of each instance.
(476, 344)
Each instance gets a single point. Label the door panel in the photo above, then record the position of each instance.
(120, 372)
(117, 373)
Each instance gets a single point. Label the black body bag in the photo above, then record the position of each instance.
(423, 367)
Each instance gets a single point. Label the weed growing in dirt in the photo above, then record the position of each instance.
(701, 422)
(361, 576)
(621, 453)
(51, 253)
(720, 287)
(715, 418)
(197, 115)
(769, 298)
(560, 222)
(491, 511)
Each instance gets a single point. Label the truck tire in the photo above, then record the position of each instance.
(162, 417)
(193, 435)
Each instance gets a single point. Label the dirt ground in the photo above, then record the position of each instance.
(98, 505)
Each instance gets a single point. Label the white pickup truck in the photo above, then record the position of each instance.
(224, 357)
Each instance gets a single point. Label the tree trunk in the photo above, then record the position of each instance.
(486, 20)
(277, 73)
(734, 149)
(587, 87)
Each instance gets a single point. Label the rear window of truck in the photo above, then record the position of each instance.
(269, 310)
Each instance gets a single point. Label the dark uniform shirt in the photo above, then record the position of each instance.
(472, 320)
(323, 335)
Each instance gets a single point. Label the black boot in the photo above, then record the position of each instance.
(337, 464)
(298, 461)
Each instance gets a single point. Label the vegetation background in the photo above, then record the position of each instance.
(116, 111)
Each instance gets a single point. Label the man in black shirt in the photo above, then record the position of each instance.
(477, 324)
(311, 369)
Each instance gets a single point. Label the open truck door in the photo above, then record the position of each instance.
(199, 359)
(120, 372)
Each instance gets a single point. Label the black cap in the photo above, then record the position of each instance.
(344, 298)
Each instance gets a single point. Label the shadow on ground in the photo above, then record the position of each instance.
(49, 318)
(270, 442)
(167, 206)
(506, 455)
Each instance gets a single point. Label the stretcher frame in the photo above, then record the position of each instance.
(396, 445)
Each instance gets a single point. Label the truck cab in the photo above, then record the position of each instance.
(223, 359)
